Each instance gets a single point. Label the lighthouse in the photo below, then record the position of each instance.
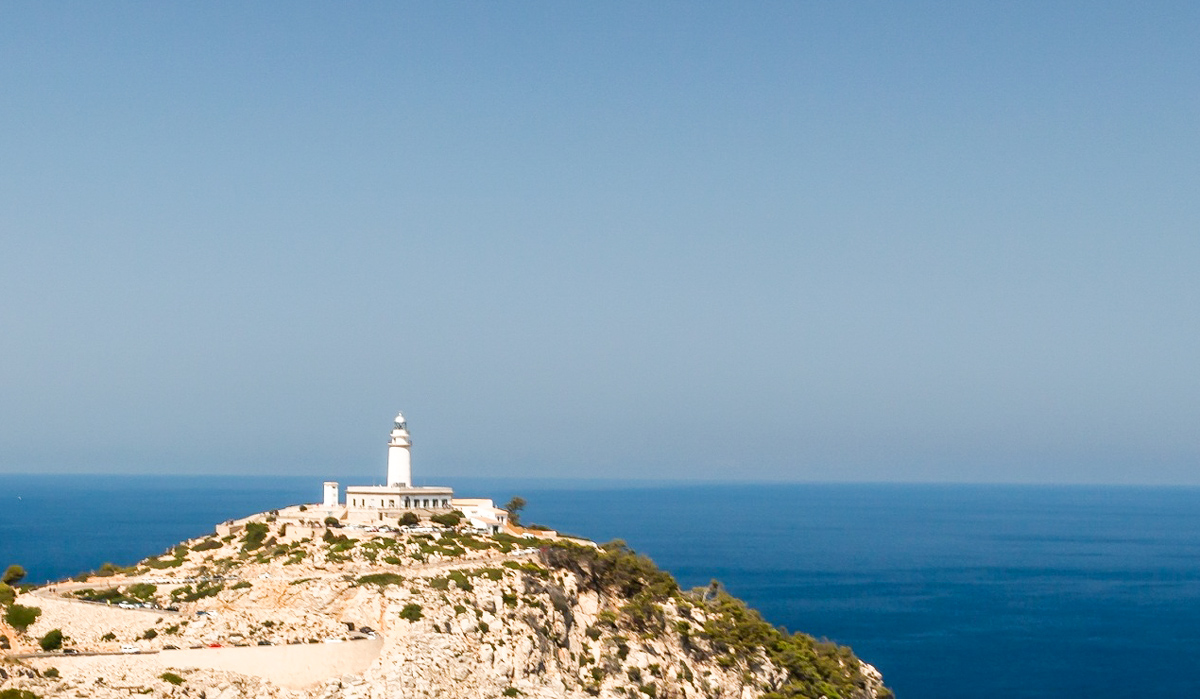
(399, 463)
(370, 503)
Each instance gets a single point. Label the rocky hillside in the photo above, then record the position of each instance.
(280, 606)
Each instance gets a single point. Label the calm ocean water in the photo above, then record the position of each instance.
(952, 591)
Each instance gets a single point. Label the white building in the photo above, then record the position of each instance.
(482, 513)
(399, 494)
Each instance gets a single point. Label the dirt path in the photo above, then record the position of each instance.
(295, 666)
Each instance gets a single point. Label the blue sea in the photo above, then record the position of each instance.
(952, 591)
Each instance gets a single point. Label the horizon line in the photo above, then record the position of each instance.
(644, 482)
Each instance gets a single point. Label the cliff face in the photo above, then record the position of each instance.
(304, 612)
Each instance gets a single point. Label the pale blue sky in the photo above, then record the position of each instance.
(799, 241)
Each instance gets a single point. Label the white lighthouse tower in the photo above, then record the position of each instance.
(371, 503)
(399, 464)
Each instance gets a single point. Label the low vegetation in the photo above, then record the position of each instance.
(448, 519)
(53, 640)
(735, 634)
(137, 593)
(21, 617)
(381, 579)
(13, 575)
(187, 593)
(256, 534)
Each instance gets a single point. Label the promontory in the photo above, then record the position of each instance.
(286, 604)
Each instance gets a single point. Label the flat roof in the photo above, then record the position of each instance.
(400, 490)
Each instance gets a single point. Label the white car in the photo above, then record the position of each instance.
(129, 649)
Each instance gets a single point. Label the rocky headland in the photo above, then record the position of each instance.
(280, 605)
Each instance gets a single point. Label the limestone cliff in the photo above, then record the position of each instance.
(299, 610)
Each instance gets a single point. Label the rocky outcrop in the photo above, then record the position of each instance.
(301, 611)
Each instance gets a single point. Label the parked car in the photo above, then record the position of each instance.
(129, 649)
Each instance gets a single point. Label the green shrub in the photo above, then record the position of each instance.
(7, 595)
(141, 591)
(108, 594)
(332, 522)
(483, 627)
(644, 613)
(527, 566)
(51, 672)
(439, 583)
(18, 694)
(342, 543)
(171, 678)
(813, 668)
(150, 634)
(381, 579)
(107, 570)
(448, 519)
(53, 640)
(489, 573)
(20, 617)
(110, 636)
(207, 545)
(409, 519)
(159, 563)
(411, 612)
(622, 647)
(202, 590)
(512, 692)
(241, 585)
(256, 534)
(13, 575)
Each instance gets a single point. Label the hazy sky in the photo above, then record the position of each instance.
(800, 241)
